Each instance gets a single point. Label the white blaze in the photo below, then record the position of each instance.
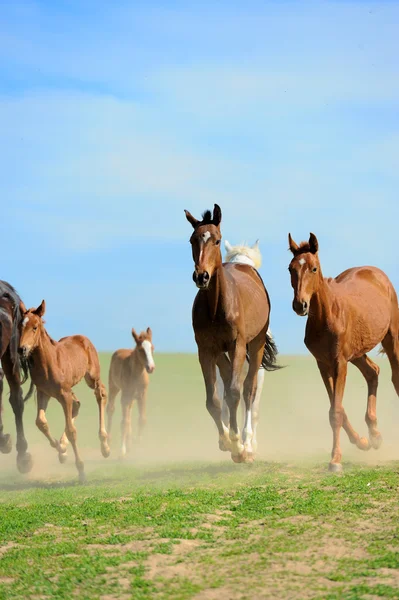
(206, 235)
(302, 261)
(148, 352)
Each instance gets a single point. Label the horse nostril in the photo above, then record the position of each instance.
(305, 305)
(206, 276)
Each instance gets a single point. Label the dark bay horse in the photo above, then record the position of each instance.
(347, 317)
(230, 315)
(10, 316)
(55, 368)
(129, 374)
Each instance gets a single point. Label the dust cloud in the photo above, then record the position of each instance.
(293, 424)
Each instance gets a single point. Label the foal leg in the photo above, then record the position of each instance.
(42, 425)
(66, 401)
(113, 392)
(370, 372)
(142, 406)
(354, 437)
(24, 459)
(126, 427)
(100, 393)
(62, 456)
(5, 438)
(208, 366)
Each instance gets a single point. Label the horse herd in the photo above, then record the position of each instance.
(346, 318)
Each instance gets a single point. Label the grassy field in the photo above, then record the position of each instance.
(179, 519)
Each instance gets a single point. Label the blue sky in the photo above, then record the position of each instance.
(114, 117)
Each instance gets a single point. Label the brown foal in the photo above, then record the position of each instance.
(128, 373)
(347, 317)
(55, 368)
(230, 315)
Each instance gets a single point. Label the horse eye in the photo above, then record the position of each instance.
(217, 242)
(34, 328)
(314, 270)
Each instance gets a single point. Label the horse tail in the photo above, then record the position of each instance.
(270, 354)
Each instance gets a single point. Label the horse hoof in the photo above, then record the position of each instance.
(335, 468)
(24, 462)
(239, 458)
(376, 441)
(249, 459)
(364, 444)
(6, 444)
(82, 478)
(62, 457)
(224, 445)
(105, 451)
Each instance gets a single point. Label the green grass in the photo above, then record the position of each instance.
(180, 520)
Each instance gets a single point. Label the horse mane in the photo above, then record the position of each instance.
(9, 293)
(304, 248)
(253, 254)
(206, 218)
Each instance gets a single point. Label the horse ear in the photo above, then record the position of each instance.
(135, 336)
(149, 332)
(194, 222)
(217, 215)
(22, 308)
(313, 243)
(228, 246)
(40, 309)
(256, 245)
(293, 246)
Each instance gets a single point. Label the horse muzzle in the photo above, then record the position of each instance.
(301, 307)
(202, 279)
(23, 351)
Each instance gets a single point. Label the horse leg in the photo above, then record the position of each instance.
(255, 409)
(390, 343)
(337, 413)
(354, 437)
(208, 366)
(24, 459)
(126, 431)
(94, 382)
(62, 456)
(255, 351)
(238, 453)
(42, 425)
(113, 392)
(223, 376)
(142, 406)
(66, 401)
(370, 372)
(5, 438)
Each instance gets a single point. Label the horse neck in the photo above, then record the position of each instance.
(45, 351)
(320, 303)
(216, 292)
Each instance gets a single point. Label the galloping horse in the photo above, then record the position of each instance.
(55, 368)
(249, 255)
(230, 314)
(128, 373)
(9, 341)
(347, 317)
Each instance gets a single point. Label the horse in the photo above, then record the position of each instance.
(55, 368)
(129, 373)
(346, 318)
(250, 255)
(231, 313)
(11, 368)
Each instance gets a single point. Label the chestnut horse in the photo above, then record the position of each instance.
(230, 314)
(249, 255)
(128, 373)
(347, 317)
(9, 341)
(55, 368)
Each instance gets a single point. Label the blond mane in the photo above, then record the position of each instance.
(244, 253)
